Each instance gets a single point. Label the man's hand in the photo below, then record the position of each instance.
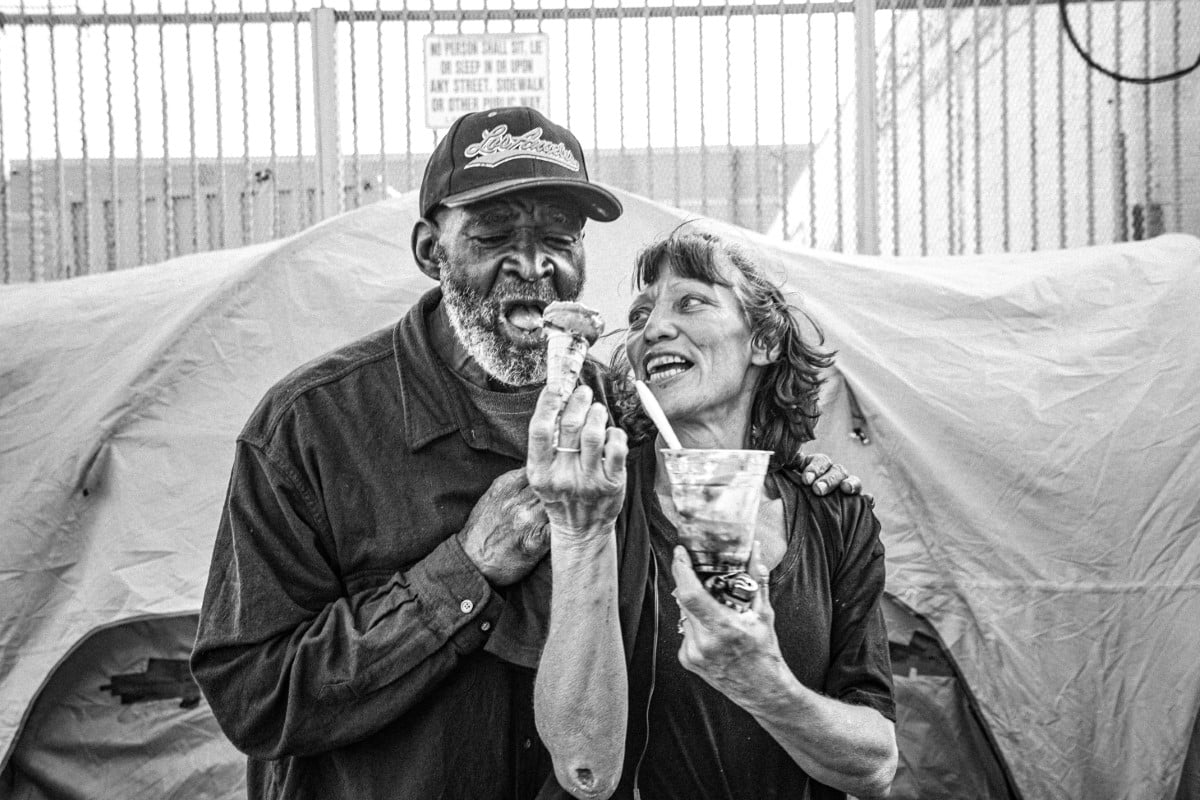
(737, 653)
(506, 534)
(576, 464)
(822, 474)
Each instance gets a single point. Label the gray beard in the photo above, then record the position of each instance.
(477, 322)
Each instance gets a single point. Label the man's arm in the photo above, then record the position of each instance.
(848, 747)
(293, 664)
(581, 693)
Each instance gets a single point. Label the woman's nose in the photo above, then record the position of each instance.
(659, 326)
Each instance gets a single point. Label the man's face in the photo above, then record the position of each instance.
(502, 261)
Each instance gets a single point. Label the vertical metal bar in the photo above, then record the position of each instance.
(222, 200)
(894, 68)
(325, 109)
(757, 172)
(1147, 133)
(383, 177)
(977, 134)
(1176, 136)
(355, 159)
(139, 155)
(5, 207)
(1090, 150)
(595, 98)
(299, 182)
(621, 83)
(649, 128)
(83, 263)
(675, 104)
(1034, 216)
(866, 122)
(952, 143)
(1120, 160)
(193, 163)
(273, 161)
(1059, 67)
(33, 200)
(1004, 166)
(840, 241)
(170, 234)
(735, 206)
(566, 22)
(60, 182)
(112, 243)
(784, 183)
(812, 162)
(703, 120)
(248, 189)
(922, 185)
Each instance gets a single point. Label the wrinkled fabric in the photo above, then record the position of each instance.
(1033, 428)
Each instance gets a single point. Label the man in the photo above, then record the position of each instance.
(378, 514)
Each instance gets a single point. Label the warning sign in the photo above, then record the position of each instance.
(473, 71)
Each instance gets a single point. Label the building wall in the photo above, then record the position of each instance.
(211, 205)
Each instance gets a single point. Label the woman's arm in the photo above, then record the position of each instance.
(848, 747)
(581, 692)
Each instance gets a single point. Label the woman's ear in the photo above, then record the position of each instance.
(762, 354)
(424, 240)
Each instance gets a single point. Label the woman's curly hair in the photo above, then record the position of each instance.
(785, 409)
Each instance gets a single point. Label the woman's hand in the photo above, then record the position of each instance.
(576, 464)
(737, 653)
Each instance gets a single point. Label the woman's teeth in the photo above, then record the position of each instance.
(662, 375)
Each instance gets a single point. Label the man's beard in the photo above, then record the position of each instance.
(478, 321)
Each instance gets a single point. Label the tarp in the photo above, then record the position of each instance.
(1029, 425)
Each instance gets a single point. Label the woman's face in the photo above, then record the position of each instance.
(690, 341)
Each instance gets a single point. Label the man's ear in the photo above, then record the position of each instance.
(424, 239)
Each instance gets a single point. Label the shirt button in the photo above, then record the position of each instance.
(528, 743)
(485, 627)
(466, 606)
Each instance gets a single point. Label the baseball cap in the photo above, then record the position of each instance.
(490, 153)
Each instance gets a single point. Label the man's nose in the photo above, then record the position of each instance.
(530, 258)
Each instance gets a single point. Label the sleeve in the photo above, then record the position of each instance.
(293, 664)
(860, 670)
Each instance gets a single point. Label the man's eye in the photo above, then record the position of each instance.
(562, 240)
(491, 239)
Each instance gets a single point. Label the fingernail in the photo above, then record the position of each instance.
(808, 476)
(821, 486)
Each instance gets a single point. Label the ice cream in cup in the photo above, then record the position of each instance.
(716, 494)
(570, 328)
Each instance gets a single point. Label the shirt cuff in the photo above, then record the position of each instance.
(457, 600)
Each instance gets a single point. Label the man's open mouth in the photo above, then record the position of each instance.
(664, 367)
(524, 315)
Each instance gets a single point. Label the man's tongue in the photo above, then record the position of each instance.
(527, 318)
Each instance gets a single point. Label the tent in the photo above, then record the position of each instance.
(1029, 425)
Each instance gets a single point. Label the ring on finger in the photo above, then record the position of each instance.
(568, 449)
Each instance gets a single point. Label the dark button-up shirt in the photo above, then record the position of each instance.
(341, 640)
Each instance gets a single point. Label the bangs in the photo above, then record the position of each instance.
(696, 256)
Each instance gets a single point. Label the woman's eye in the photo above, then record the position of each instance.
(637, 317)
(690, 301)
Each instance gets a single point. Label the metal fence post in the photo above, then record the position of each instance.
(325, 107)
(866, 172)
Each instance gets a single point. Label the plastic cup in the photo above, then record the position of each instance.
(716, 494)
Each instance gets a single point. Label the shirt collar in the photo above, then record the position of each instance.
(433, 405)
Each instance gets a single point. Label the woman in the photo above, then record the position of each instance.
(795, 694)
